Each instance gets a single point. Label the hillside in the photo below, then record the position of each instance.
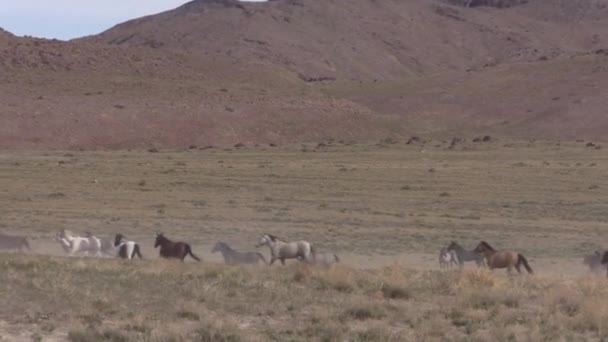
(363, 39)
(222, 72)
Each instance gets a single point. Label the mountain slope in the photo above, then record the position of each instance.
(222, 72)
(363, 39)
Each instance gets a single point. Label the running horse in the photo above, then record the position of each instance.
(9, 242)
(502, 259)
(594, 261)
(175, 250)
(233, 257)
(326, 259)
(279, 249)
(447, 258)
(126, 249)
(605, 261)
(73, 244)
(464, 255)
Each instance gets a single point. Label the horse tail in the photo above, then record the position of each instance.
(136, 251)
(523, 261)
(189, 251)
(262, 257)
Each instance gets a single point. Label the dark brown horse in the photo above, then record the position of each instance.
(170, 249)
(605, 260)
(594, 261)
(502, 259)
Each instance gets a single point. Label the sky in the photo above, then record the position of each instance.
(67, 19)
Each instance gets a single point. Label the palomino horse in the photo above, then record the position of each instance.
(502, 259)
(282, 250)
(10, 242)
(126, 249)
(605, 261)
(170, 249)
(326, 259)
(87, 245)
(465, 255)
(594, 262)
(447, 258)
(232, 257)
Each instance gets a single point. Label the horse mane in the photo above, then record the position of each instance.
(224, 245)
(274, 238)
(162, 237)
(487, 245)
(118, 238)
(455, 246)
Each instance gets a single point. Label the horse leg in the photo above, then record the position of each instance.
(518, 268)
(272, 260)
(283, 261)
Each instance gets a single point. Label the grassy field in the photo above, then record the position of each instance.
(385, 208)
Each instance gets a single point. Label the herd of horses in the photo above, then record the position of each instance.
(484, 255)
(119, 246)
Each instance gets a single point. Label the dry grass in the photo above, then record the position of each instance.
(384, 216)
(108, 300)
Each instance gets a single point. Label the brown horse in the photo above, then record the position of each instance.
(170, 249)
(605, 260)
(502, 259)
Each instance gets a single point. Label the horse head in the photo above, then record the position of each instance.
(59, 236)
(118, 239)
(159, 238)
(264, 239)
(219, 246)
(452, 246)
(483, 247)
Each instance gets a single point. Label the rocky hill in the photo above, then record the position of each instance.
(222, 71)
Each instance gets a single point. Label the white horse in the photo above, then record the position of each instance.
(279, 249)
(447, 258)
(126, 249)
(86, 245)
(326, 259)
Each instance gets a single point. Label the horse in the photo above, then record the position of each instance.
(464, 255)
(13, 242)
(232, 257)
(126, 249)
(87, 245)
(65, 244)
(594, 262)
(176, 250)
(326, 259)
(447, 258)
(279, 249)
(107, 247)
(502, 259)
(605, 261)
